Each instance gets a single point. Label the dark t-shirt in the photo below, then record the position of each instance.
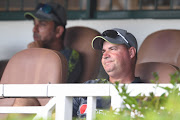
(74, 65)
(80, 103)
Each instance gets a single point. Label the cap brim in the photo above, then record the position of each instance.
(29, 16)
(32, 16)
(97, 42)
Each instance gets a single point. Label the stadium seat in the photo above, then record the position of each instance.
(34, 66)
(161, 47)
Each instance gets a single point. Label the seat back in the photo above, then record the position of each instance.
(80, 38)
(145, 71)
(159, 52)
(160, 46)
(35, 66)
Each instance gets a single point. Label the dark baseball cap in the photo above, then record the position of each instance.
(115, 36)
(50, 11)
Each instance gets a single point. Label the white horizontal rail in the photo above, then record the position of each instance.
(25, 90)
(78, 89)
(63, 94)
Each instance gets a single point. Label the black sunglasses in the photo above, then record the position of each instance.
(114, 34)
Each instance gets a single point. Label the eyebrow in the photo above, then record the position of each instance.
(43, 21)
(112, 47)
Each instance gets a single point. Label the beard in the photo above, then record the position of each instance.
(36, 37)
(44, 42)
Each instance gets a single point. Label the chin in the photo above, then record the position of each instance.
(108, 70)
(35, 39)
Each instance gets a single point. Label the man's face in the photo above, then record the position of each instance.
(115, 58)
(44, 31)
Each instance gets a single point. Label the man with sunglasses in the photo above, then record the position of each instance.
(119, 49)
(48, 32)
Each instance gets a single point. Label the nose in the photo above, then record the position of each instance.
(35, 28)
(106, 55)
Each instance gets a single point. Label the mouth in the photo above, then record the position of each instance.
(36, 37)
(108, 62)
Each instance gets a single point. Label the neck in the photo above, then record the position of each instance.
(56, 45)
(127, 77)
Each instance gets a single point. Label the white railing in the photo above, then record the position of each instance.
(62, 95)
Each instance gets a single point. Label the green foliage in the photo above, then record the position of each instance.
(19, 117)
(141, 107)
(23, 117)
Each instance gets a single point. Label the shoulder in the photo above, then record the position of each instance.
(67, 50)
(97, 81)
(70, 53)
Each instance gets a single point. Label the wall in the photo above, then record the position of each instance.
(15, 35)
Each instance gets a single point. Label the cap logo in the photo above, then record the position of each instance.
(83, 108)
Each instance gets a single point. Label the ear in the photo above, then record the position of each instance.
(59, 31)
(132, 52)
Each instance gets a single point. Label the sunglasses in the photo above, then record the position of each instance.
(48, 10)
(45, 8)
(114, 34)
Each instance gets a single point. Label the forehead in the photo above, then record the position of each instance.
(46, 21)
(108, 44)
